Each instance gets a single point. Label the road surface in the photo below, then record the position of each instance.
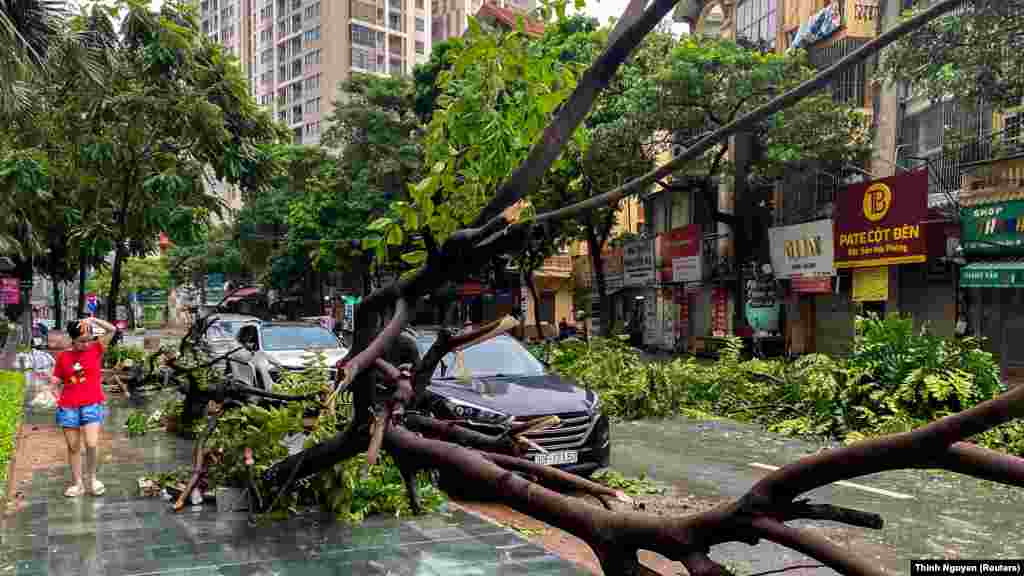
(928, 514)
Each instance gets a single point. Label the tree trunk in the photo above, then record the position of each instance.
(604, 303)
(532, 287)
(58, 309)
(115, 282)
(83, 268)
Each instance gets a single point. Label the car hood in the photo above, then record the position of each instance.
(519, 395)
(299, 358)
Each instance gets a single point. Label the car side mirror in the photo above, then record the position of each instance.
(250, 345)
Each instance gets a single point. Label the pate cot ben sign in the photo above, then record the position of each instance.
(879, 223)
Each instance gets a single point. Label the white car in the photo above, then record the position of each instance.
(273, 348)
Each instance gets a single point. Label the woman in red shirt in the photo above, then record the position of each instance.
(80, 406)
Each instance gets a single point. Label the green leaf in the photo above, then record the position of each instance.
(380, 224)
(395, 236)
(415, 258)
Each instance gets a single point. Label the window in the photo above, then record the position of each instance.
(420, 48)
(313, 106)
(296, 68)
(312, 59)
(395, 22)
(500, 355)
(755, 19)
(296, 46)
(310, 36)
(362, 35)
(313, 11)
(206, 26)
(267, 35)
(296, 4)
(419, 4)
(313, 83)
(1012, 132)
(313, 128)
(421, 24)
(296, 114)
(296, 22)
(266, 13)
(266, 57)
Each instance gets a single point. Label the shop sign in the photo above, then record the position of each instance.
(993, 229)
(638, 263)
(681, 254)
(652, 328)
(1010, 275)
(879, 223)
(812, 285)
(214, 288)
(871, 284)
(9, 291)
(802, 249)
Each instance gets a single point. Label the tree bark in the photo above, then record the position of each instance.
(83, 268)
(115, 283)
(603, 302)
(532, 287)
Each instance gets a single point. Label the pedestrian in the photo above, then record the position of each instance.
(78, 384)
(563, 329)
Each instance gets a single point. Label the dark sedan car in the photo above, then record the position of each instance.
(508, 384)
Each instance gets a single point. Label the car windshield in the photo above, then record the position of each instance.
(225, 329)
(297, 338)
(502, 356)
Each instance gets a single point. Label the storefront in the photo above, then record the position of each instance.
(803, 259)
(680, 273)
(639, 298)
(993, 241)
(880, 228)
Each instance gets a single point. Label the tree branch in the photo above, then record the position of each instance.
(814, 546)
(749, 120)
(527, 176)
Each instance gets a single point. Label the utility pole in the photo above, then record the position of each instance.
(26, 287)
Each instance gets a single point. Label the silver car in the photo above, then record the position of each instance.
(273, 348)
(220, 337)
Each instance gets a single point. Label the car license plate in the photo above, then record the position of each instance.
(556, 458)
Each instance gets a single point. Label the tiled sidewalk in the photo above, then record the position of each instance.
(121, 533)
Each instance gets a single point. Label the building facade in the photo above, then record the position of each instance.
(296, 52)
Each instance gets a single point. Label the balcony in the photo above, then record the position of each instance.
(557, 266)
(367, 12)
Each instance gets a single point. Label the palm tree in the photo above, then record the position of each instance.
(27, 31)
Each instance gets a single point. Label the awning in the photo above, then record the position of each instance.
(993, 275)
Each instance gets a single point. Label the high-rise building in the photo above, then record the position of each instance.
(451, 17)
(296, 52)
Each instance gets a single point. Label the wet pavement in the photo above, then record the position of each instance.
(121, 533)
(928, 514)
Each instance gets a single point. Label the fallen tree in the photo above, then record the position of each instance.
(386, 379)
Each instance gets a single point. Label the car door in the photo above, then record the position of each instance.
(242, 368)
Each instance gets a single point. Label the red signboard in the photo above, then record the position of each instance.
(678, 248)
(812, 285)
(879, 223)
(9, 291)
(719, 311)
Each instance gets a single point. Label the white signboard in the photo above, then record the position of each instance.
(638, 263)
(687, 269)
(803, 250)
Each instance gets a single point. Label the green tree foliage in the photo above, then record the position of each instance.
(974, 54)
(138, 275)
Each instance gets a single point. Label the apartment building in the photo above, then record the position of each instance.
(450, 18)
(296, 52)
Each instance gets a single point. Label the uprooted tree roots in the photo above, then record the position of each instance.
(387, 385)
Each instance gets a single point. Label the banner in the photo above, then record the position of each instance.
(812, 285)
(880, 223)
(802, 249)
(10, 293)
(638, 263)
(680, 253)
(871, 284)
(719, 312)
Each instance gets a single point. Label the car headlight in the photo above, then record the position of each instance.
(467, 411)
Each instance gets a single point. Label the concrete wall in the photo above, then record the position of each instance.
(930, 301)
